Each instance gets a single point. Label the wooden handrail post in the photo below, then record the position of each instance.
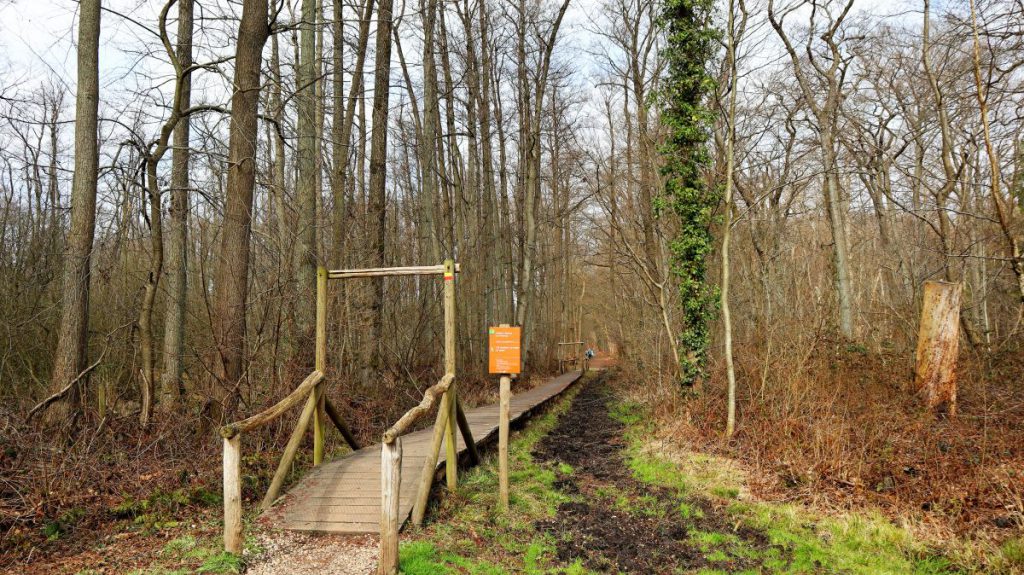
(505, 392)
(451, 453)
(419, 508)
(233, 494)
(289, 451)
(390, 485)
(467, 432)
(320, 363)
(318, 426)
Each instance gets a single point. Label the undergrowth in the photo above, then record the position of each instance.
(836, 425)
(854, 543)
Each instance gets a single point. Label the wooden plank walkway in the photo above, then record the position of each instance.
(343, 496)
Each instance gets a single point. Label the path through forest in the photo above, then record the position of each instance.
(616, 523)
(595, 491)
(611, 521)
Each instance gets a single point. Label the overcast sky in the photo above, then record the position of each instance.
(37, 36)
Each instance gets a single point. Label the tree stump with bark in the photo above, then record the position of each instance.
(938, 345)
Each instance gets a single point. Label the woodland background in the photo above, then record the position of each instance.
(874, 148)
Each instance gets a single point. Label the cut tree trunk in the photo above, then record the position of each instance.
(938, 344)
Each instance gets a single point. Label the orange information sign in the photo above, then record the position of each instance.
(503, 349)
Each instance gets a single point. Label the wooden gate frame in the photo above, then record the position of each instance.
(317, 405)
(391, 442)
(575, 359)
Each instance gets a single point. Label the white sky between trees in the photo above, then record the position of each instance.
(37, 47)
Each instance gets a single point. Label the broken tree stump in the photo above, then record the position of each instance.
(938, 344)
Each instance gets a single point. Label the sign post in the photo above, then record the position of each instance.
(504, 354)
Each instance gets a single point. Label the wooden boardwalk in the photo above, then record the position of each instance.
(343, 496)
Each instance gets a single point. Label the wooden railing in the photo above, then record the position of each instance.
(316, 406)
(574, 357)
(449, 414)
(391, 468)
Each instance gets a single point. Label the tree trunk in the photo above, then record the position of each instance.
(938, 344)
(72, 339)
(343, 122)
(428, 144)
(177, 239)
(306, 189)
(730, 162)
(833, 204)
(146, 346)
(490, 230)
(377, 200)
(231, 278)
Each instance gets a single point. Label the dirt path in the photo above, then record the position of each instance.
(615, 522)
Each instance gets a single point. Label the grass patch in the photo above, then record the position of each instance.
(189, 553)
(1009, 559)
(468, 535)
(855, 543)
(221, 563)
(420, 558)
(178, 546)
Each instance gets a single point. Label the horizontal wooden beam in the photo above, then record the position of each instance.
(571, 343)
(382, 272)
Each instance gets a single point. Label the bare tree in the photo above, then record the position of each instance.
(231, 280)
(307, 165)
(531, 106)
(377, 206)
(73, 334)
(828, 85)
(1003, 211)
(177, 236)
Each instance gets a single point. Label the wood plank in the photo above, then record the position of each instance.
(344, 495)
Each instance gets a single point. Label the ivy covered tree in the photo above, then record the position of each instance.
(689, 49)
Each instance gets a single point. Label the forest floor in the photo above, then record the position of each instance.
(592, 491)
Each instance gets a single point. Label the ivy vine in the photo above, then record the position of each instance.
(689, 50)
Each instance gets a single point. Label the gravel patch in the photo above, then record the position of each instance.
(289, 553)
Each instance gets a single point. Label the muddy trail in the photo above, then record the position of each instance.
(616, 523)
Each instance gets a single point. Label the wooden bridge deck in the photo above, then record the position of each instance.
(343, 496)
